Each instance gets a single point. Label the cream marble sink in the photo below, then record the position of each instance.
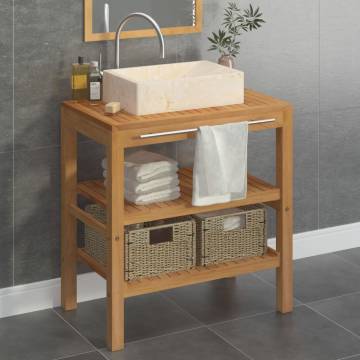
(173, 87)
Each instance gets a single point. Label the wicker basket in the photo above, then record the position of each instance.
(150, 248)
(215, 245)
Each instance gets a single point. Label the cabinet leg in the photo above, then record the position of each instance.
(284, 218)
(115, 259)
(68, 222)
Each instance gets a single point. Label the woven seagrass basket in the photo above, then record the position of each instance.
(215, 245)
(150, 248)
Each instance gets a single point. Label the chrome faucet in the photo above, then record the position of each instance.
(123, 23)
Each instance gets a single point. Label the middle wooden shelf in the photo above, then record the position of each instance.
(258, 192)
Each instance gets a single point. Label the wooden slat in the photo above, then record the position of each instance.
(284, 214)
(258, 192)
(90, 191)
(87, 219)
(116, 244)
(68, 223)
(188, 277)
(91, 262)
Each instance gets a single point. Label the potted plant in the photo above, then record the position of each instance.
(236, 21)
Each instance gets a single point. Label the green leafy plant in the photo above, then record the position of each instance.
(236, 21)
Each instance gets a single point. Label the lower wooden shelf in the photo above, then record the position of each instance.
(189, 277)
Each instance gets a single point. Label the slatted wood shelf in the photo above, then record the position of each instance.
(256, 104)
(189, 277)
(258, 192)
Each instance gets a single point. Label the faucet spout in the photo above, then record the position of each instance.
(124, 22)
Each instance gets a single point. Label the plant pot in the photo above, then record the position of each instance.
(226, 60)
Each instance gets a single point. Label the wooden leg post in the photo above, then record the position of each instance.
(115, 259)
(284, 214)
(68, 222)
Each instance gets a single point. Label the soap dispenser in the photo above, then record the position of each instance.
(79, 79)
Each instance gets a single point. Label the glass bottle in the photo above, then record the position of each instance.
(79, 79)
(95, 80)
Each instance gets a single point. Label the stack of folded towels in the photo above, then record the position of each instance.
(149, 178)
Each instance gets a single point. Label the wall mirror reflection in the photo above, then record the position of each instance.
(174, 17)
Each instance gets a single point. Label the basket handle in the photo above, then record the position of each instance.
(234, 225)
(161, 235)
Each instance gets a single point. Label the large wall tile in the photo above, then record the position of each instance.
(306, 206)
(37, 215)
(6, 220)
(6, 75)
(340, 54)
(282, 58)
(262, 164)
(306, 179)
(339, 167)
(188, 47)
(48, 38)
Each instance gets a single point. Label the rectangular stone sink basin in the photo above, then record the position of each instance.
(173, 87)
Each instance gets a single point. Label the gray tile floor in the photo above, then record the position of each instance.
(223, 320)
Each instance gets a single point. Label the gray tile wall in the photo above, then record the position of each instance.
(307, 53)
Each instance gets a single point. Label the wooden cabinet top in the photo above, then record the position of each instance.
(256, 105)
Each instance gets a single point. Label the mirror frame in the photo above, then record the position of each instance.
(89, 35)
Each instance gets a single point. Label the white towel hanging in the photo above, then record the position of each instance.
(220, 166)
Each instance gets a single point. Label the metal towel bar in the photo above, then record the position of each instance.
(185, 131)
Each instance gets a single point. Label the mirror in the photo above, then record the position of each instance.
(174, 17)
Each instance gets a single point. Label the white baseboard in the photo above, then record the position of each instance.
(42, 295)
(325, 241)
(46, 294)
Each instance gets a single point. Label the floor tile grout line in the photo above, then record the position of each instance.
(346, 260)
(349, 357)
(72, 355)
(274, 286)
(229, 343)
(76, 330)
(230, 320)
(163, 335)
(333, 298)
(207, 326)
(168, 298)
(102, 355)
(316, 301)
(167, 334)
(333, 321)
(242, 318)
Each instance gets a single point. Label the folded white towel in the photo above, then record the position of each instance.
(165, 183)
(146, 180)
(220, 165)
(145, 165)
(160, 196)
